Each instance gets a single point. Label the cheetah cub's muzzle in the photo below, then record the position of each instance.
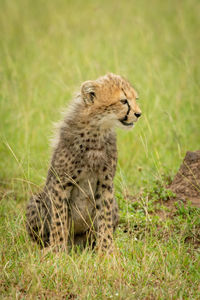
(133, 111)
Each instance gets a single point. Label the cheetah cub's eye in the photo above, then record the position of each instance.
(92, 95)
(124, 101)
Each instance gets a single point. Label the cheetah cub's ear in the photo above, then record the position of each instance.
(88, 91)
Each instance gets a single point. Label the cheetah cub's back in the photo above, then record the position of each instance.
(77, 204)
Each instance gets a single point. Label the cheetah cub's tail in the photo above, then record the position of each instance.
(38, 219)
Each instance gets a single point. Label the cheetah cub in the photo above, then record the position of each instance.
(77, 204)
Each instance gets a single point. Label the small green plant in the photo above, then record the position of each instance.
(158, 191)
(186, 209)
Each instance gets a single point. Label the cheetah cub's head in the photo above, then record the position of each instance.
(110, 101)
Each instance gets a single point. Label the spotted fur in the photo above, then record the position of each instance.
(77, 204)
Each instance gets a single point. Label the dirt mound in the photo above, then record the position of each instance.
(186, 183)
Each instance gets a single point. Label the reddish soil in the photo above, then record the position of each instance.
(186, 183)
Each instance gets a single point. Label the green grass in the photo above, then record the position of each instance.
(47, 48)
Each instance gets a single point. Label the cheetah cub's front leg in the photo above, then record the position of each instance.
(104, 206)
(59, 223)
(60, 194)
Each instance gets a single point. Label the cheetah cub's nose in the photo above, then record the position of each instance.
(137, 114)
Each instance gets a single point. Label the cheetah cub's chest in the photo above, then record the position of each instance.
(82, 204)
(82, 200)
(95, 158)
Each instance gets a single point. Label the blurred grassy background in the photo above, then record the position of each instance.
(48, 48)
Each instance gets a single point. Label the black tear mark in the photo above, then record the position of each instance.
(129, 108)
(128, 111)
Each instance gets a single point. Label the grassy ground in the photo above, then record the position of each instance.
(46, 50)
